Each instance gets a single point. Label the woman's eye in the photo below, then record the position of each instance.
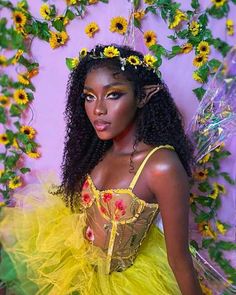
(88, 97)
(114, 95)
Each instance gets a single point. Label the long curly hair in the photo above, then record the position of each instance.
(159, 122)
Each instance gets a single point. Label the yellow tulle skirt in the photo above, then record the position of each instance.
(44, 252)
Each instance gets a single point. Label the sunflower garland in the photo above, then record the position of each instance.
(218, 3)
(119, 25)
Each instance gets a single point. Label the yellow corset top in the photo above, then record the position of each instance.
(117, 219)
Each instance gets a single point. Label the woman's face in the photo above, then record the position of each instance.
(110, 103)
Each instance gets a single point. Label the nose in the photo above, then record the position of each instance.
(100, 108)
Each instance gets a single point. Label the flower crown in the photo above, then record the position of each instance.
(148, 60)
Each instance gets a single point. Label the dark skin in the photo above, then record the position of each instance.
(110, 97)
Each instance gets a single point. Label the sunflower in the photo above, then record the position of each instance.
(150, 38)
(133, 60)
(28, 130)
(218, 3)
(149, 60)
(179, 16)
(205, 159)
(20, 96)
(83, 52)
(91, 29)
(71, 2)
(3, 60)
(194, 28)
(33, 155)
(197, 78)
(139, 14)
(230, 27)
(15, 144)
(4, 101)
(187, 47)
(215, 192)
(201, 174)
(221, 228)
(221, 188)
(111, 51)
(4, 138)
(204, 47)
(74, 62)
(149, 2)
(205, 289)
(219, 148)
(15, 182)
(119, 24)
(192, 198)
(32, 73)
(17, 56)
(65, 20)
(200, 60)
(23, 79)
(93, 1)
(1, 172)
(206, 230)
(19, 19)
(57, 39)
(45, 11)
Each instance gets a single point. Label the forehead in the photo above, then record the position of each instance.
(106, 76)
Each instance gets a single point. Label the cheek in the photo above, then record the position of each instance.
(88, 110)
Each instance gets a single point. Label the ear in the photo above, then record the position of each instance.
(149, 91)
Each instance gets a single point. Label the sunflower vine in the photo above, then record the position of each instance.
(189, 32)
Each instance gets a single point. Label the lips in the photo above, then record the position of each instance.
(101, 125)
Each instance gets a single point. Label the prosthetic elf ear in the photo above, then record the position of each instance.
(149, 91)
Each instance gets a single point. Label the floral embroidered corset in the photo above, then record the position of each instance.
(117, 220)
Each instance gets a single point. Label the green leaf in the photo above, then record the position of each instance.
(204, 201)
(227, 177)
(15, 111)
(58, 25)
(200, 91)
(203, 216)
(3, 118)
(25, 170)
(214, 63)
(224, 245)
(195, 4)
(2, 156)
(11, 161)
(150, 9)
(137, 23)
(203, 20)
(204, 187)
(69, 14)
(207, 242)
(136, 3)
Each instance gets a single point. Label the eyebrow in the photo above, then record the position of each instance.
(106, 86)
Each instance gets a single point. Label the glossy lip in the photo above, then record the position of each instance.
(101, 125)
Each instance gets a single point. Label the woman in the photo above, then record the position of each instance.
(126, 159)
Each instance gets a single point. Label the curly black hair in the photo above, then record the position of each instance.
(159, 122)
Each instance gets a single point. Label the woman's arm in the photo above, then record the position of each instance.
(168, 180)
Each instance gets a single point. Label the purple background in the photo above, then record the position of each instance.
(50, 84)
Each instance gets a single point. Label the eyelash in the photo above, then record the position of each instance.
(117, 96)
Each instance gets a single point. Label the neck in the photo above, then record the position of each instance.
(123, 143)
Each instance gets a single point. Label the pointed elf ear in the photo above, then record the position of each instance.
(149, 91)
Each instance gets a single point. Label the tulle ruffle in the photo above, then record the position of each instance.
(45, 252)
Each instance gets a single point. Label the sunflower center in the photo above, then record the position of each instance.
(203, 48)
(91, 30)
(59, 39)
(18, 19)
(149, 39)
(199, 59)
(201, 174)
(27, 132)
(119, 26)
(21, 96)
(4, 137)
(3, 101)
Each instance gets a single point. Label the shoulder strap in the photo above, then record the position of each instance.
(136, 176)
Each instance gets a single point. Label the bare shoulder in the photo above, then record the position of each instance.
(165, 169)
